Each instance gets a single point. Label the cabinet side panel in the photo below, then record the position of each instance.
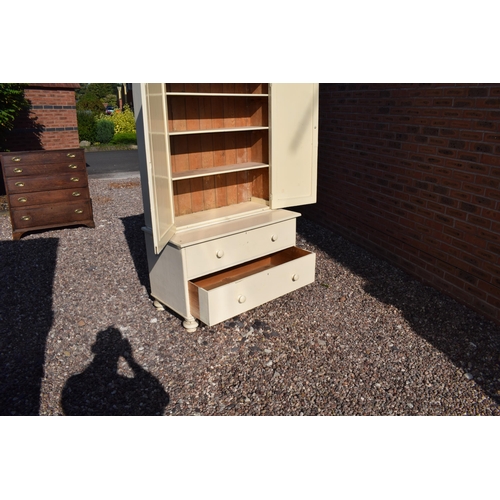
(167, 277)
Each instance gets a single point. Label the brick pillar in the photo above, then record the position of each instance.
(50, 123)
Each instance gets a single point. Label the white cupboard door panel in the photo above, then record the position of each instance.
(294, 143)
(256, 284)
(158, 165)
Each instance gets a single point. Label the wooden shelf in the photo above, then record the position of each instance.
(203, 172)
(220, 223)
(217, 130)
(215, 94)
(205, 220)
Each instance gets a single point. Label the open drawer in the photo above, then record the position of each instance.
(220, 296)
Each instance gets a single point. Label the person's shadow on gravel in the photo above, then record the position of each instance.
(101, 390)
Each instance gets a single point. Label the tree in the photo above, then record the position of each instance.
(89, 95)
(12, 102)
(90, 102)
(101, 90)
(111, 100)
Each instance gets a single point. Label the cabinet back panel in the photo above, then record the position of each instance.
(260, 183)
(192, 152)
(215, 191)
(186, 113)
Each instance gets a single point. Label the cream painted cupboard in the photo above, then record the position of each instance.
(219, 165)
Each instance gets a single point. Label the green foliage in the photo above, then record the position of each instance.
(111, 100)
(81, 91)
(89, 94)
(86, 125)
(105, 130)
(12, 102)
(125, 138)
(101, 90)
(124, 120)
(90, 102)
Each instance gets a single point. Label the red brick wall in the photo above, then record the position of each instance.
(412, 172)
(51, 122)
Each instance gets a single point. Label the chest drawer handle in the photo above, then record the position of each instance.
(73, 166)
(70, 155)
(78, 211)
(18, 170)
(242, 299)
(220, 254)
(295, 277)
(274, 237)
(75, 179)
(26, 217)
(20, 184)
(22, 199)
(16, 158)
(75, 193)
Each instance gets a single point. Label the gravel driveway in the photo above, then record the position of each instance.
(79, 334)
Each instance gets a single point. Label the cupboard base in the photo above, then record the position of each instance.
(214, 273)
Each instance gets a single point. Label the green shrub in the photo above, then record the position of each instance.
(86, 125)
(105, 130)
(125, 138)
(124, 120)
(12, 103)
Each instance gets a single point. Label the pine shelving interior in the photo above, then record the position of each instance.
(203, 172)
(219, 141)
(217, 130)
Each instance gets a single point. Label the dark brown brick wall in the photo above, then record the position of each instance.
(412, 172)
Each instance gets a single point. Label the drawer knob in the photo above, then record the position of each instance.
(18, 170)
(75, 193)
(295, 277)
(220, 254)
(75, 179)
(70, 155)
(20, 184)
(25, 217)
(78, 211)
(73, 166)
(241, 299)
(22, 199)
(274, 237)
(16, 158)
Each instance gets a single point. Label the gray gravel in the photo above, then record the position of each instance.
(80, 335)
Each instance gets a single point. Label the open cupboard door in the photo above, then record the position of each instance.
(157, 148)
(293, 144)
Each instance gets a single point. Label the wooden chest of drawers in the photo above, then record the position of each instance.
(46, 189)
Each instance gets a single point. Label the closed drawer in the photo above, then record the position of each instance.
(228, 293)
(46, 183)
(44, 169)
(222, 253)
(45, 197)
(45, 156)
(48, 215)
